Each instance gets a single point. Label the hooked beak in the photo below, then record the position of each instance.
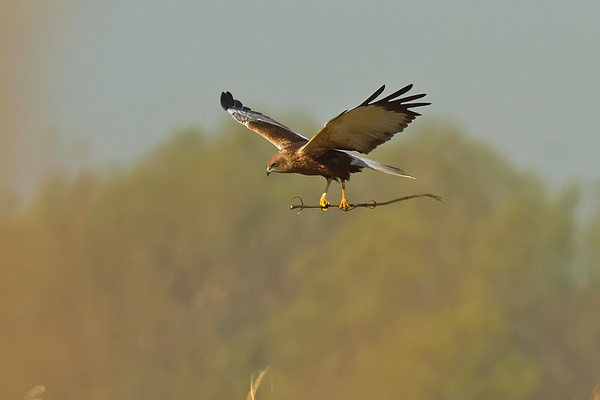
(269, 171)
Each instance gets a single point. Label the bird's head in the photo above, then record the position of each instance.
(277, 163)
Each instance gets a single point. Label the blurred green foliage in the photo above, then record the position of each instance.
(185, 274)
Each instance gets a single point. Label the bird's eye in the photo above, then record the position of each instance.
(275, 164)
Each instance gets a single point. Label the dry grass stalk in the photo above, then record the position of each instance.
(595, 393)
(255, 383)
(33, 393)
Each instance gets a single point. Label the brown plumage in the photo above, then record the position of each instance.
(361, 129)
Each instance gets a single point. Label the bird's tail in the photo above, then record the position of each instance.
(387, 169)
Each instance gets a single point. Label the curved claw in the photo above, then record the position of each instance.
(344, 205)
(324, 204)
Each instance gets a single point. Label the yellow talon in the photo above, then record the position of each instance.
(323, 202)
(344, 205)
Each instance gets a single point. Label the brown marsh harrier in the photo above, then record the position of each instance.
(361, 129)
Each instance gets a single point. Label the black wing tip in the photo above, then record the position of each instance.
(392, 98)
(373, 96)
(227, 100)
(417, 105)
(406, 88)
(393, 101)
(228, 103)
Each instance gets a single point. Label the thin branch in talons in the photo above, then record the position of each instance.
(371, 205)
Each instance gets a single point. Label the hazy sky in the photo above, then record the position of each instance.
(524, 76)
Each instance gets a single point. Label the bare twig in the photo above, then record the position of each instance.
(371, 205)
(254, 384)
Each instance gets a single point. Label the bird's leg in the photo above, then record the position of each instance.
(344, 203)
(323, 202)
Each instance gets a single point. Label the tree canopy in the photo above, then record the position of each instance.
(185, 274)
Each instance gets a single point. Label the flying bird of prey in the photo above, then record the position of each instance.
(361, 129)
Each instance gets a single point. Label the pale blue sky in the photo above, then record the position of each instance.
(522, 75)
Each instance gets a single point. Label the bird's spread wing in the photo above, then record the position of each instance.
(367, 126)
(276, 133)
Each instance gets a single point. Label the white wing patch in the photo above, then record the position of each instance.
(246, 116)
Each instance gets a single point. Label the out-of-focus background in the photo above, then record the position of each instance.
(144, 254)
